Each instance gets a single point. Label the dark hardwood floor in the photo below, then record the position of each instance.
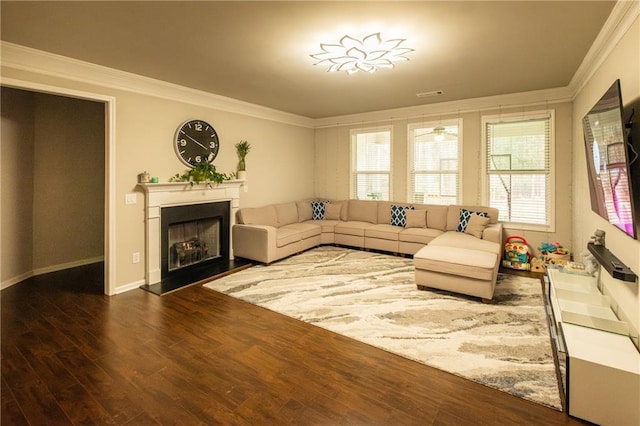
(71, 355)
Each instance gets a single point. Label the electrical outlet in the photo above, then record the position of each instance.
(136, 257)
(131, 198)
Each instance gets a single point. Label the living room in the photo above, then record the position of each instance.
(293, 156)
(311, 155)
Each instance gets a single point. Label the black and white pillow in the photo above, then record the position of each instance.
(465, 215)
(317, 208)
(399, 215)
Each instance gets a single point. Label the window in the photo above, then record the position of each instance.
(519, 169)
(433, 153)
(371, 164)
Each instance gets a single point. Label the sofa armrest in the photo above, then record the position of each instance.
(493, 232)
(255, 242)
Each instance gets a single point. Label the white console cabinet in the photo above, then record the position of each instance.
(599, 364)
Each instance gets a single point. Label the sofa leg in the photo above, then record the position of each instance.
(486, 301)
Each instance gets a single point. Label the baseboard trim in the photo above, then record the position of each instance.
(128, 287)
(68, 265)
(15, 280)
(47, 269)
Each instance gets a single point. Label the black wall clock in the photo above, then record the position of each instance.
(196, 141)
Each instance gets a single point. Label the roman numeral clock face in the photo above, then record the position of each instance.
(196, 141)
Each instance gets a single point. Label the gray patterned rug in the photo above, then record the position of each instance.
(373, 298)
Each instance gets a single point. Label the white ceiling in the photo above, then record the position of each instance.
(259, 51)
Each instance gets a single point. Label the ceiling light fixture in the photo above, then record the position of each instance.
(369, 54)
(440, 133)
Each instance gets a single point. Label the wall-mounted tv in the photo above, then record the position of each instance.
(608, 161)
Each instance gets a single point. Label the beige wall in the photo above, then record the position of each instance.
(69, 187)
(16, 186)
(333, 163)
(623, 63)
(279, 166)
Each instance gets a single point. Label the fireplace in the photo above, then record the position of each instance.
(180, 223)
(193, 237)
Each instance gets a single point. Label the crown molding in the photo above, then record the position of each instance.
(511, 100)
(622, 17)
(37, 61)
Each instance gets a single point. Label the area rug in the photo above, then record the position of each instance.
(373, 298)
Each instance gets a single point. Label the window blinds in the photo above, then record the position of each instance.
(372, 165)
(519, 171)
(433, 159)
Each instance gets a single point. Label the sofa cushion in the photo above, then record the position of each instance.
(325, 225)
(332, 211)
(419, 235)
(399, 215)
(453, 214)
(306, 230)
(259, 216)
(286, 213)
(416, 218)
(352, 228)
(383, 231)
(436, 216)
(463, 219)
(460, 239)
(286, 236)
(318, 209)
(362, 211)
(458, 261)
(476, 225)
(304, 211)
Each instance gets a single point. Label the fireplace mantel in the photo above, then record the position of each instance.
(159, 195)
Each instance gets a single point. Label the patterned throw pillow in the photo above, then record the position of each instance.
(399, 215)
(318, 209)
(465, 215)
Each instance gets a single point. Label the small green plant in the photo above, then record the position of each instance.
(242, 149)
(201, 172)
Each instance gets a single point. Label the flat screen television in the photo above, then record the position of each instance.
(608, 162)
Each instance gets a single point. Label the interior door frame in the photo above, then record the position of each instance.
(110, 165)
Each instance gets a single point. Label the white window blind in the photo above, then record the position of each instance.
(371, 164)
(434, 174)
(519, 169)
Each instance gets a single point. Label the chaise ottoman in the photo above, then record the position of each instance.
(460, 268)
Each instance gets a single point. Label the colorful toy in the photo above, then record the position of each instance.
(537, 265)
(554, 254)
(547, 248)
(517, 253)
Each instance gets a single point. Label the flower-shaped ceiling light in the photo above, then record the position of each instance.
(369, 54)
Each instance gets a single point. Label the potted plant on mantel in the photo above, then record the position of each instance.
(201, 172)
(242, 149)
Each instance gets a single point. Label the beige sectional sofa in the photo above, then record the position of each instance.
(443, 255)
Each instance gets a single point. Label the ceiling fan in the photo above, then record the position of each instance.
(440, 133)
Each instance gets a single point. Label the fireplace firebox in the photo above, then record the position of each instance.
(193, 237)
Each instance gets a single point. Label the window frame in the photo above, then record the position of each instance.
(411, 156)
(551, 187)
(353, 161)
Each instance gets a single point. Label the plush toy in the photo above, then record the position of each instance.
(590, 263)
(597, 239)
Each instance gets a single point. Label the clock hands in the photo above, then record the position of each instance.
(203, 147)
